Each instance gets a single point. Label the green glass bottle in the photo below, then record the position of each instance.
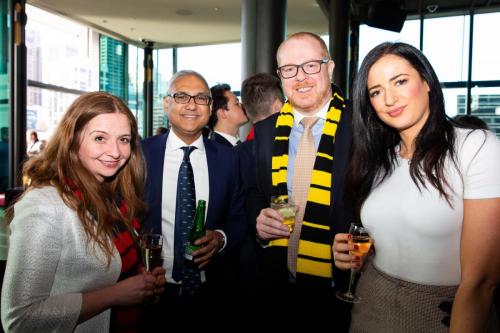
(197, 231)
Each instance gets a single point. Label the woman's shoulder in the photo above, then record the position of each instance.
(477, 147)
(46, 193)
(475, 139)
(44, 199)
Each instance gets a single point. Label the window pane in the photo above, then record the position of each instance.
(136, 85)
(446, 45)
(455, 101)
(60, 52)
(486, 52)
(370, 37)
(486, 105)
(113, 57)
(220, 63)
(163, 69)
(45, 108)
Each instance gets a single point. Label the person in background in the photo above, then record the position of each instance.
(470, 121)
(73, 263)
(183, 166)
(33, 145)
(161, 130)
(302, 153)
(438, 241)
(262, 96)
(227, 116)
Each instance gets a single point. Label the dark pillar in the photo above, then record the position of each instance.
(263, 28)
(354, 56)
(339, 41)
(17, 128)
(148, 88)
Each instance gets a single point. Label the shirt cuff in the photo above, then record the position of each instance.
(224, 238)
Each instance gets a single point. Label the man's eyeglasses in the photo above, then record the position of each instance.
(183, 98)
(310, 67)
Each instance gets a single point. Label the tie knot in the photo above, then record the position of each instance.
(308, 122)
(187, 151)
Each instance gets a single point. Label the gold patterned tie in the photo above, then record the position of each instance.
(304, 163)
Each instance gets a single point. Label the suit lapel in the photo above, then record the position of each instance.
(156, 168)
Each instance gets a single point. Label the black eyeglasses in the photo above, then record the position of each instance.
(310, 67)
(183, 98)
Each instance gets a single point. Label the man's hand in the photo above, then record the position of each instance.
(270, 225)
(212, 243)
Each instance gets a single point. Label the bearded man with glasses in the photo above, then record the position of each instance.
(301, 154)
(182, 168)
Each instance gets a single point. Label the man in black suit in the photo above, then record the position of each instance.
(303, 274)
(215, 175)
(227, 116)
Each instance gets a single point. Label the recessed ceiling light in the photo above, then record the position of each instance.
(184, 12)
(216, 9)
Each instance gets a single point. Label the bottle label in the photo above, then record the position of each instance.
(188, 251)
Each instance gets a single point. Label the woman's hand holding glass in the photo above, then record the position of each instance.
(344, 253)
(358, 245)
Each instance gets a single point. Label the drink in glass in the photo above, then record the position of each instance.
(286, 208)
(151, 245)
(361, 238)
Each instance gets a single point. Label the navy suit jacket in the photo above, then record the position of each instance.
(220, 139)
(226, 203)
(260, 191)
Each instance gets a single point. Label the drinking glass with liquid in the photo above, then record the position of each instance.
(151, 245)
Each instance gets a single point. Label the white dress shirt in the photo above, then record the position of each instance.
(173, 159)
(232, 139)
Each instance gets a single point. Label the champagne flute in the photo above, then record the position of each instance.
(151, 245)
(362, 239)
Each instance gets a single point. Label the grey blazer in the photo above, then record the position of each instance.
(49, 266)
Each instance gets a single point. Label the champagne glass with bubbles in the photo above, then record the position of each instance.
(151, 245)
(362, 239)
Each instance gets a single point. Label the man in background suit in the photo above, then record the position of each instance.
(316, 110)
(215, 171)
(227, 116)
(262, 96)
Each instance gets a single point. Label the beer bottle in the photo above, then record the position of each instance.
(197, 231)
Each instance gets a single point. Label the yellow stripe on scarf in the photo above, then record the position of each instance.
(279, 242)
(315, 225)
(313, 249)
(321, 178)
(319, 196)
(316, 268)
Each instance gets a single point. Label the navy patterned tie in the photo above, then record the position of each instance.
(184, 214)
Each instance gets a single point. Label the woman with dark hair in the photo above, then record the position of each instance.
(429, 193)
(73, 262)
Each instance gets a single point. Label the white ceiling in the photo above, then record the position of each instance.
(176, 22)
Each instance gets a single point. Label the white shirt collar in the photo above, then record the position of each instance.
(321, 113)
(174, 142)
(232, 139)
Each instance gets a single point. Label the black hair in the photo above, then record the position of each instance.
(219, 101)
(373, 150)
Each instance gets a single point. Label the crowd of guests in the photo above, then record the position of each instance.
(426, 187)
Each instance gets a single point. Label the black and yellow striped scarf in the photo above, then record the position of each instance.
(314, 258)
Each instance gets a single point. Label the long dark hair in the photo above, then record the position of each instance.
(373, 150)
